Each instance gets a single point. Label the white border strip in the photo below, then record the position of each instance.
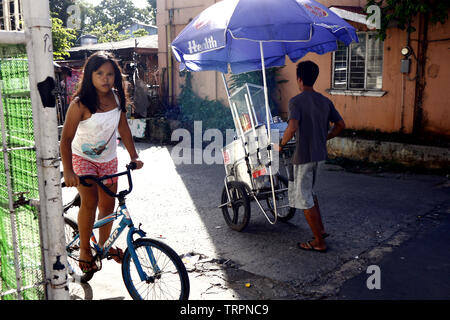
(12, 37)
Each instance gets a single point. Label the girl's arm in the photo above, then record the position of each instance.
(127, 139)
(73, 117)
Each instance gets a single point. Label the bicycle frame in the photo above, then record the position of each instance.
(126, 221)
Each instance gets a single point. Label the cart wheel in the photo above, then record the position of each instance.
(236, 214)
(282, 199)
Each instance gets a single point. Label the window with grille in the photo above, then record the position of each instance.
(359, 66)
(11, 15)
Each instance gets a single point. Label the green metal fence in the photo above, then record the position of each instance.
(20, 245)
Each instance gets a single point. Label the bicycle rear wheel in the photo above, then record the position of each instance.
(167, 278)
(73, 252)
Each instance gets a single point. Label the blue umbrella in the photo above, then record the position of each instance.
(248, 35)
(233, 32)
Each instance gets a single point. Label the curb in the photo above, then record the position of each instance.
(379, 151)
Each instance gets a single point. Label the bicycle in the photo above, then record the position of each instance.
(148, 267)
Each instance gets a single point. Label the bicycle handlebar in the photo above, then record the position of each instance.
(97, 180)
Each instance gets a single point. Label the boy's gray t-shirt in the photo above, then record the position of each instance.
(314, 113)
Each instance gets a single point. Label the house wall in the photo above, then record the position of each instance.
(392, 112)
(437, 77)
(205, 84)
(388, 113)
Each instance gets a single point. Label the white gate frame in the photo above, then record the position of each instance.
(38, 40)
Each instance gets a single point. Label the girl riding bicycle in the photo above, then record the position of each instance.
(88, 146)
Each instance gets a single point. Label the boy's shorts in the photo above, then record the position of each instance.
(85, 167)
(301, 190)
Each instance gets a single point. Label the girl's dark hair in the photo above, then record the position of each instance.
(86, 91)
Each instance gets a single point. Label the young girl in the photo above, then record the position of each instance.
(88, 146)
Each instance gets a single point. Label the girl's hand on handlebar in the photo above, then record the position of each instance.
(71, 179)
(139, 163)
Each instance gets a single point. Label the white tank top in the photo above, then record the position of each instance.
(95, 138)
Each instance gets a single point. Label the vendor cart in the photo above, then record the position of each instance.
(252, 167)
(247, 35)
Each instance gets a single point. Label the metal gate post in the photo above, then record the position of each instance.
(40, 58)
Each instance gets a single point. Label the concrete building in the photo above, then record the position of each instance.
(371, 84)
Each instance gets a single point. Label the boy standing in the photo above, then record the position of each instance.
(310, 114)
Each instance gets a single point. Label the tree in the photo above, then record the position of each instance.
(152, 9)
(63, 39)
(119, 12)
(66, 9)
(58, 9)
(108, 32)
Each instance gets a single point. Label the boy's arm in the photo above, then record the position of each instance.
(336, 129)
(127, 139)
(288, 133)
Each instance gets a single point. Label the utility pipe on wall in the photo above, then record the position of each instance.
(169, 57)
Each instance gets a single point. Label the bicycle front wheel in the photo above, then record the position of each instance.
(166, 276)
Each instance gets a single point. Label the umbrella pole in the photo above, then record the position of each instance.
(269, 149)
(235, 119)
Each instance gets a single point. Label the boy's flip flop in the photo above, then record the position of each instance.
(308, 247)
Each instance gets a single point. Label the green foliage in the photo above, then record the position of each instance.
(110, 32)
(119, 12)
(63, 39)
(140, 33)
(402, 12)
(104, 21)
(152, 3)
(212, 113)
(152, 10)
(106, 32)
(58, 9)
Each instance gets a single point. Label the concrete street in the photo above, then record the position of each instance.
(396, 221)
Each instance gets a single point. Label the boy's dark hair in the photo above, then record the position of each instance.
(308, 72)
(86, 91)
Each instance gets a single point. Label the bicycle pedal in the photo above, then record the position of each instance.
(111, 256)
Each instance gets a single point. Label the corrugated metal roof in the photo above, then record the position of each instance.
(145, 42)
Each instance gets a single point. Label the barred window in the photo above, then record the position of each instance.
(359, 66)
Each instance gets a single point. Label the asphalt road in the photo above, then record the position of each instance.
(373, 219)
